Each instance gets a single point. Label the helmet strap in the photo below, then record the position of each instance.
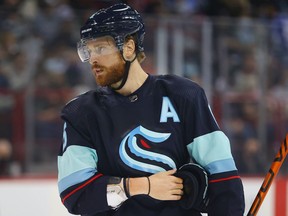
(126, 73)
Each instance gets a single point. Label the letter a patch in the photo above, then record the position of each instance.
(168, 111)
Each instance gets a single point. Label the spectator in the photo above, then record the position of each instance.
(247, 77)
(19, 73)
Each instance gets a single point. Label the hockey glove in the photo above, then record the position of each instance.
(195, 182)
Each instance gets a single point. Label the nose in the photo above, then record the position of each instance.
(93, 59)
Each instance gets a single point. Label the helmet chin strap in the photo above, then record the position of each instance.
(126, 73)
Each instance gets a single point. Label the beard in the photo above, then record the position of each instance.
(110, 75)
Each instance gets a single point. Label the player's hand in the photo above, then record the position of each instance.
(166, 186)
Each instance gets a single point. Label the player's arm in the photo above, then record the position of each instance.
(225, 190)
(210, 148)
(162, 186)
(82, 188)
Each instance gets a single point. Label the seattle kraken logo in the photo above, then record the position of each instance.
(132, 142)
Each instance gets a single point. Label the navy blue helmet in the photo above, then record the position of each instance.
(117, 21)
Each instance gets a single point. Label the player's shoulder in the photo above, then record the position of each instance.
(83, 102)
(79, 99)
(174, 80)
(178, 85)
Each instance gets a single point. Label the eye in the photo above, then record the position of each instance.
(99, 49)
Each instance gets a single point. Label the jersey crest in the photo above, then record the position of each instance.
(132, 141)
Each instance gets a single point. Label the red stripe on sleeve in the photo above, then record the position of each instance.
(224, 179)
(81, 186)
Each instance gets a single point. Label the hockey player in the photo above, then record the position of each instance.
(141, 144)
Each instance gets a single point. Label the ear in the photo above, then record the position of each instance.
(129, 49)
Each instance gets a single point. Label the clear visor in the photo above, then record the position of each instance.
(96, 47)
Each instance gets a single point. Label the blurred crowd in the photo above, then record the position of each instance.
(40, 72)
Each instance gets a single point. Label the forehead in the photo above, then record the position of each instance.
(105, 40)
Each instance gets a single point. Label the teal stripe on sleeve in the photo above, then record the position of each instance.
(213, 152)
(221, 166)
(77, 159)
(75, 178)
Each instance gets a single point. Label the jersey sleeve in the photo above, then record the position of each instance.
(81, 186)
(210, 148)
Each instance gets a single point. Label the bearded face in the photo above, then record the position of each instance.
(110, 74)
(107, 64)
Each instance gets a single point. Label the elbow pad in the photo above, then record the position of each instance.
(195, 182)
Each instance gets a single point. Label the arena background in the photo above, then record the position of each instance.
(236, 50)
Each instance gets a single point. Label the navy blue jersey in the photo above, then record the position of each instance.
(166, 123)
